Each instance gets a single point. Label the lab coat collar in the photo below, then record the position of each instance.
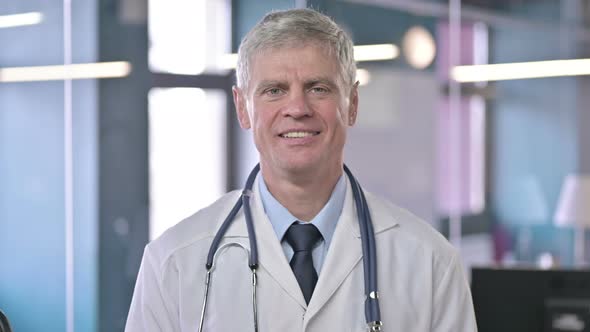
(379, 224)
(343, 255)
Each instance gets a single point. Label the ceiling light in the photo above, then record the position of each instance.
(16, 20)
(375, 52)
(363, 76)
(64, 72)
(521, 70)
(419, 47)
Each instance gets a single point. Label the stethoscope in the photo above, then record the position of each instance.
(372, 311)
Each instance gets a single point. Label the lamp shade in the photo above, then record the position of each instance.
(574, 202)
(527, 195)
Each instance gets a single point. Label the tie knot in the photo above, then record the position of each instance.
(302, 237)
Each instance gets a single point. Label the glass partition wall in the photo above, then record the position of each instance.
(48, 208)
(491, 131)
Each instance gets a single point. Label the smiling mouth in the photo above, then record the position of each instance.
(299, 134)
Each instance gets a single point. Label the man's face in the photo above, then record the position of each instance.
(298, 108)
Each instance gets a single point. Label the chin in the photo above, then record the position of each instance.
(298, 165)
(299, 161)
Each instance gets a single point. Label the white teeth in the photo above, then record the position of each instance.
(297, 134)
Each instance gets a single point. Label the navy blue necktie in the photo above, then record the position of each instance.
(302, 238)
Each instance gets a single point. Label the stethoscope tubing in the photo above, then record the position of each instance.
(372, 311)
(208, 278)
(253, 258)
(372, 308)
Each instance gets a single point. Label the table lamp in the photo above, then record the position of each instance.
(574, 210)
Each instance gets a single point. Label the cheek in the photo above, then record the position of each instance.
(332, 109)
(261, 121)
(343, 115)
(341, 107)
(338, 123)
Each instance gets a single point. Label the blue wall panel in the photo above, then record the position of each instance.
(32, 228)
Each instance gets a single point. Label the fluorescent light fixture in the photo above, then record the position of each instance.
(374, 52)
(64, 72)
(363, 76)
(17, 20)
(521, 70)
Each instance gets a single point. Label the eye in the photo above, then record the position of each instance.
(273, 92)
(319, 90)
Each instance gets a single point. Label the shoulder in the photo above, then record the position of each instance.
(198, 228)
(411, 231)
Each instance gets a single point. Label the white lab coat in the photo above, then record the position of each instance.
(422, 285)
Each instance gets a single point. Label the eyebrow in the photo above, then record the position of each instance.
(322, 80)
(266, 84)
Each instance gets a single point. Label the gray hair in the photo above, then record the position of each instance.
(291, 27)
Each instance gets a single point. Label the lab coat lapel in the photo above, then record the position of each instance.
(344, 254)
(345, 251)
(270, 252)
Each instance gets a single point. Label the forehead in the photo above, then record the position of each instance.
(294, 62)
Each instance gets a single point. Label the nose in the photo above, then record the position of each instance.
(297, 106)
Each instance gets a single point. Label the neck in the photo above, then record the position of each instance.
(303, 194)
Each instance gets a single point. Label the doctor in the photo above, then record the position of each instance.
(296, 91)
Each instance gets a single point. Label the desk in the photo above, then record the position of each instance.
(530, 300)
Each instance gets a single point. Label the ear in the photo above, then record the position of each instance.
(241, 110)
(353, 104)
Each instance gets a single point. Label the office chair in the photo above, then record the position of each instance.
(4, 324)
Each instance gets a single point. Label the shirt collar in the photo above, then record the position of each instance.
(325, 220)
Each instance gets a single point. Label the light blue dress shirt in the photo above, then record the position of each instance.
(325, 220)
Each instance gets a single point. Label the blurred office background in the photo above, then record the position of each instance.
(97, 160)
